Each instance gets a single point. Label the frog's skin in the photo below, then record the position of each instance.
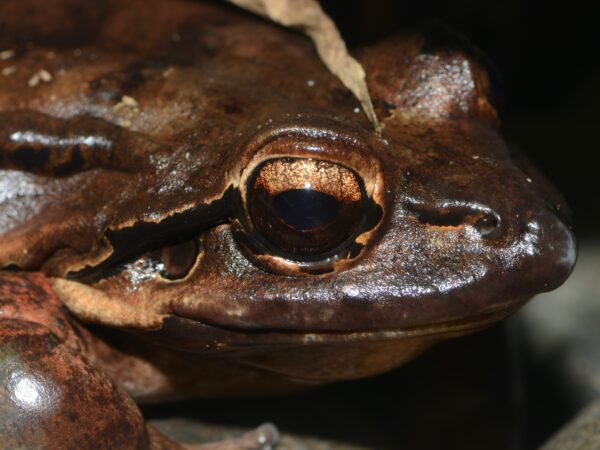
(146, 129)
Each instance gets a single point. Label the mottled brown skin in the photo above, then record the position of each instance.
(150, 126)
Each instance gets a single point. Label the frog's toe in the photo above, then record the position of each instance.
(265, 437)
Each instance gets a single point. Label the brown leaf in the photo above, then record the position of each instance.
(308, 17)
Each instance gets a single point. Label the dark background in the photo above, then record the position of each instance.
(549, 60)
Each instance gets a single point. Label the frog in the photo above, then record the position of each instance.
(193, 206)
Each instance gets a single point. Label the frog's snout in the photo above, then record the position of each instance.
(552, 249)
(483, 219)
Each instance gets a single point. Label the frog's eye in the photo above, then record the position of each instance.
(305, 209)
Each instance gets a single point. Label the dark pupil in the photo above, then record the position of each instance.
(305, 223)
(304, 209)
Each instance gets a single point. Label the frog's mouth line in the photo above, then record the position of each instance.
(197, 336)
(313, 358)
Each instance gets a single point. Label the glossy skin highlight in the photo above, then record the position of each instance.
(147, 137)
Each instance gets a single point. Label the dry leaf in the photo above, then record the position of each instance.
(308, 17)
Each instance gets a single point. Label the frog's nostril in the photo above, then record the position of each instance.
(457, 215)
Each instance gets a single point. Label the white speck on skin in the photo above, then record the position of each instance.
(45, 76)
(40, 75)
(529, 180)
(167, 73)
(129, 101)
(475, 156)
(9, 70)
(6, 54)
(356, 110)
(34, 80)
(310, 83)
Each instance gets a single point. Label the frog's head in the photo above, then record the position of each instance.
(237, 211)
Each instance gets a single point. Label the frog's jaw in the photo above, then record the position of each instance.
(313, 357)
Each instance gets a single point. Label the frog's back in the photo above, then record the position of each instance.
(185, 65)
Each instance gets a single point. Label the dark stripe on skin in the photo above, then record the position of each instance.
(133, 241)
(75, 164)
(29, 156)
(37, 143)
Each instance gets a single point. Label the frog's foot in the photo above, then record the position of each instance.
(262, 438)
(52, 396)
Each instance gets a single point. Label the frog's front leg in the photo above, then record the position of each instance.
(51, 395)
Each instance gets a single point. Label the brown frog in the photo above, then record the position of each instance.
(192, 205)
